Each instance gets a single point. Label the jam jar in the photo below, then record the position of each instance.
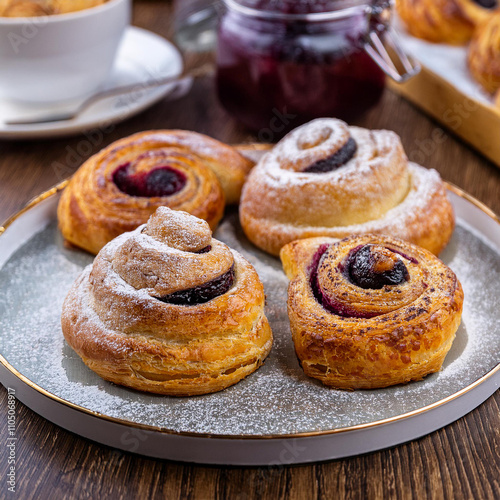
(281, 63)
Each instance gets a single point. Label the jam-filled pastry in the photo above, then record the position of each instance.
(168, 309)
(370, 311)
(121, 187)
(484, 55)
(328, 179)
(445, 21)
(30, 8)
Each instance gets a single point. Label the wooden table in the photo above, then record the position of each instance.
(460, 461)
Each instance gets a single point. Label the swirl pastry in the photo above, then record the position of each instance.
(30, 8)
(484, 55)
(121, 187)
(370, 311)
(167, 309)
(445, 21)
(328, 179)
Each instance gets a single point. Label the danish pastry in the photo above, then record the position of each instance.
(328, 179)
(121, 187)
(484, 55)
(370, 311)
(168, 309)
(445, 21)
(30, 8)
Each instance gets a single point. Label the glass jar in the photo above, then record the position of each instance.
(282, 63)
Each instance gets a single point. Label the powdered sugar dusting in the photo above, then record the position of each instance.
(161, 257)
(376, 149)
(278, 398)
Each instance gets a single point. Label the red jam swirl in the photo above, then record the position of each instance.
(158, 182)
(360, 267)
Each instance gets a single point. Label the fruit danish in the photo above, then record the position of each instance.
(445, 21)
(168, 309)
(484, 55)
(370, 311)
(328, 179)
(121, 187)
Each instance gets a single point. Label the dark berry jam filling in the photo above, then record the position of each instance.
(328, 303)
(161, 181)
(202, 293)
(205, 250)
(365, 269)
(313, 268)
(340, 158)
(487, 4)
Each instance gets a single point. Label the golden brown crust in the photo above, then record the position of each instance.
(113, 319)
(29, 8)
(442, 21)
(377, 191)
(484, 55)
(93, 210)
(409, 336)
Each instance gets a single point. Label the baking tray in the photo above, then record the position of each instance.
(445, 90)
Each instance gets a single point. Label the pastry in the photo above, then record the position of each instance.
(484, 55)
(328, 179)
(497, 99)
(121, 187)
(168, 309)
(445, 21)
(30, 8)
(370, 311)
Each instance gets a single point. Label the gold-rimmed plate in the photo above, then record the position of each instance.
(276, 415)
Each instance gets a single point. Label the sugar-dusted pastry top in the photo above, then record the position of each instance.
(30, 8)
(370, 311)
(328, 179)
(168, 309)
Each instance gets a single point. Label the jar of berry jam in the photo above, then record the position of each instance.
(281, 63)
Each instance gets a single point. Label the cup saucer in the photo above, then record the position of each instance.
(142, 56)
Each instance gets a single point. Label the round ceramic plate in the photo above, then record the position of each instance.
(142, 56)
(276, 415)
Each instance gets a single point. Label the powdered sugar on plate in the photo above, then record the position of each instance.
(278, 398)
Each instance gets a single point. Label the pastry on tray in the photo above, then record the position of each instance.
(484, 55)
(445, 21)
(369, 311)
(168, 309)
(29, 8)
(119, 188)
(328, 179)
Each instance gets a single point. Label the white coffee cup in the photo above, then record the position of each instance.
(60, 57)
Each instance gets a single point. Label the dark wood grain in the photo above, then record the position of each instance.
(459, 461)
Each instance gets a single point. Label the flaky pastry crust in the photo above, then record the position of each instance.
(376, 190)
(125, 319)
(484, 55)
(351, 337)
(93, 209)
(442, 21)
